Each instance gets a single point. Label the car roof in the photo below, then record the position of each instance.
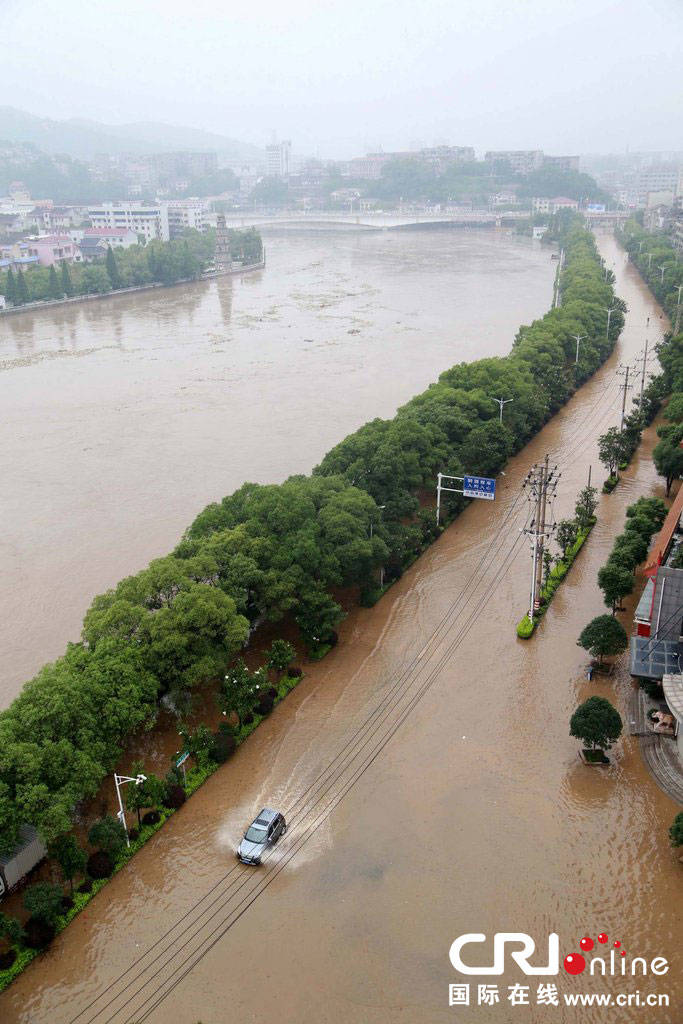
(265, 816)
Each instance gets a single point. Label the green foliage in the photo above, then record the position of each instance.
(676, 830)
(615, 581)
(109, 835)
(596, 722)
(604, 635)
(280, 655)
(586, 504)
(67, 284)
(611, 449)
(43, 900)
(668, 453)
(525, 627)
(318, 615)
(566, 534)
(54, 289)
(616, 578)
(11, 929)
(112, 268)
(163, 262)
(70, 857)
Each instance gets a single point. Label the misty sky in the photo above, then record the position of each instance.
(340, 78)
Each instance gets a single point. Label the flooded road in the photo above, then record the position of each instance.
(439, 745)
(121, 418)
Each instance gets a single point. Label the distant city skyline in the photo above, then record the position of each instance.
(339, 81)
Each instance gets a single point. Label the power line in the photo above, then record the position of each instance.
(222, 928)
(495, 544)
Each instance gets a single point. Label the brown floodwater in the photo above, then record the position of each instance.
(122, 418)
(412, 821)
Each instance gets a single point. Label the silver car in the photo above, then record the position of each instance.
(264, 831)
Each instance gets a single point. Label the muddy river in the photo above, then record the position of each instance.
(425, 765)
(122, 418)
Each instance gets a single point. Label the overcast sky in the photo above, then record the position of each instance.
(339, 78)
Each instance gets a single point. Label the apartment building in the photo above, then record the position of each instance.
(279, 159)
(146, 220)
(180, 215)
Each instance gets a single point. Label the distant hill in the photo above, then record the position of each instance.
(83, 139)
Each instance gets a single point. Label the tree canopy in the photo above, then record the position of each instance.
(596, 722)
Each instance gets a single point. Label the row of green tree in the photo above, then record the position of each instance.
(657, 260)
(156, 262)
(271, 551)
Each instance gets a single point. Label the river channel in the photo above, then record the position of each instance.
(467, 810)
(121, 418)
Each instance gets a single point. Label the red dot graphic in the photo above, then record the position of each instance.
(602, 937)
(623, 952)
(617, 944)
(586, 944)
(574, 963)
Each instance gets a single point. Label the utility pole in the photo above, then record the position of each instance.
(579, 337)
(501, 403)
(642, 379)
(678, 310)
(542, 481)
(625, 386)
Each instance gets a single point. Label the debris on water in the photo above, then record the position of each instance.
(354, 330)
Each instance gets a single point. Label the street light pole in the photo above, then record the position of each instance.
(663, 270)
(609, 317)
(120, 780)
(501, 403)
(580, 337)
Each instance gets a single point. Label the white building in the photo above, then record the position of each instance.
(540, 204)
(279, 159)
(180, 215)
(147, 220)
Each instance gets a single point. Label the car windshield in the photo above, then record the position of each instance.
(255, 834)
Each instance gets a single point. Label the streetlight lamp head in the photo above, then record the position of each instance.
(140, 779)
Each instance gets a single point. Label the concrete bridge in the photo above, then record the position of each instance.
(374, 220)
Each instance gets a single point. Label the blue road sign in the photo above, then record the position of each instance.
(479, 487)
(182, 759)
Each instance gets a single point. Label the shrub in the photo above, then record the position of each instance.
(151, 818)
(7, 959)
(38, 933)
(43, 901)
(223, 747)
(265, 704)
(85, 887)
(109, 835)
(525, 628)
(294, 671)
(100, 865)
(676, 830)
(176, 796)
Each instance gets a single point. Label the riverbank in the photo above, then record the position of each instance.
(29, 307)
(560, 823)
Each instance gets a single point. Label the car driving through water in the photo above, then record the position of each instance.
(264, 831)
